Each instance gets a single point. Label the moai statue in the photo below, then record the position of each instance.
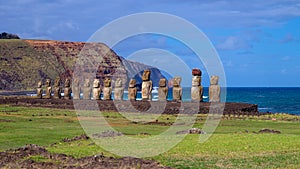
(107, 89)
(119, 90)
(197, 89)
(67, 89)
(48, 89)
(57, 89)
(162, 90)
(214, 89)
(132, 90)
(76, 89)
(146, 86)
(39, 90)
(177, 90)
(86, 89)
(96, 89)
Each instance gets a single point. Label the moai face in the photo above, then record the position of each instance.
(177, 81)
(39, 84)
(196, 72)
(57, 82)
(162, 82)
(86, 83)
(196, 80)
(118, 82)
(214, 80)
(132, 83)
(96, 83)
(67, 82)
(107, 82)
(48, 83)
(146, 75)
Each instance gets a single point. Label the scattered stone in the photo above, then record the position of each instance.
(108, 133)
(269, 131)
(191, 131)
(81, 137)
(21, 158)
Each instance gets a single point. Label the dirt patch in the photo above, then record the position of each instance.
(269, 131)
(24, 158)
(107, 134)
(191, 131)
(4, 120)
(81, 137)
(159, 123)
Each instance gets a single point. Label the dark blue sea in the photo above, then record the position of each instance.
(268, 99)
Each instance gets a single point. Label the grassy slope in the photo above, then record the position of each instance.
(229, 147)
(22, 66)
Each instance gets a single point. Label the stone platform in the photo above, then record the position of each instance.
(168, 107)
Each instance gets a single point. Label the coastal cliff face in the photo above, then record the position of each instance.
(24, 62)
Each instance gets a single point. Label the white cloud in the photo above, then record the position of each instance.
(233, 43)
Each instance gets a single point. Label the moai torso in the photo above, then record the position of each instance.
(119, 90)
(96, 89)
(57, 89)
(196, 89)
(67, 90)
(162, 90)
(214, 89)
(39, 90)
(48, 89)
(107, 90)
(146, 86)
(132, 90)
(86, 89)
(76, 89)
(177, 90)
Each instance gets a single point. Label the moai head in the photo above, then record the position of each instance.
(214, 80)
(118, 82)
(96, 83)
(107, 82)
(162, 82)
(196, 80)
(86, 83)
(132, 83)
(146, 75)
(67, 82)
(57, 82)
(176, 82)
(39, 84)
(48, 82)
(196, 72)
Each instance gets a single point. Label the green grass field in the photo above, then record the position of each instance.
(234, 144)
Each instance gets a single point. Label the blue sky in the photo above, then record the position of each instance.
(257, 41)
